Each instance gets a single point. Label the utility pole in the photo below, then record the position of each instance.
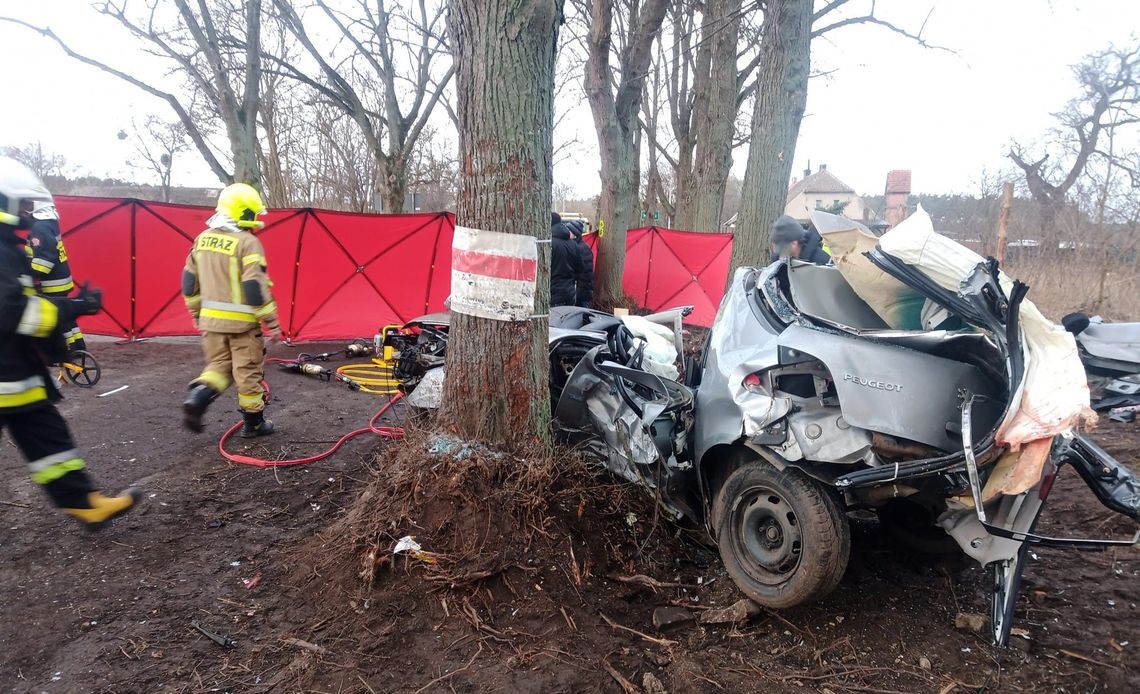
(1003, 220)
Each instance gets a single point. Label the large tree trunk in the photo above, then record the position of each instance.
(247, 165)
(240, 112)
(781, 99)
(616, 122)
(391, 182)
(616, 211)
(701, 196)
(497, 371)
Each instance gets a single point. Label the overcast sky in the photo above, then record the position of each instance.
(888, 104)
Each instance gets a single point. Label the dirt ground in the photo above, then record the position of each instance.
(112, 612)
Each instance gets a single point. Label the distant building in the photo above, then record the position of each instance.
(896, 196)
(823, 191)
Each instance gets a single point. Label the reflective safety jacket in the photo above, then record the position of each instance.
(27, 324)
(225, 284)
(49, 258)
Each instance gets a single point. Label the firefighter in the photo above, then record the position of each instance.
(31, 329)
(226, 289)
(49, 263)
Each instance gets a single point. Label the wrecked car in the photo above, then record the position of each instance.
(911, 377)
(949, 407)
(418, 349)
(1111, 355)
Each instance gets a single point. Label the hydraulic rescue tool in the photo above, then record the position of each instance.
(321, 373)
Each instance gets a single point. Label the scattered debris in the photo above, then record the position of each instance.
(737, 613)
(647, 637)
(408, 545)
(1020, 632)
(251, 583)
(924, 663)
(220, 639)
(665, 618)
(1085, 658)
(970, 621)
(304, 645)
(640, 580)
(1124, 415)
(112, 392)
(458, 448)
(652, 685)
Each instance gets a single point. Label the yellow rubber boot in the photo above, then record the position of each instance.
(104, 509)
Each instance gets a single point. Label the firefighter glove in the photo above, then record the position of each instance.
(90, 300)
(87, 302)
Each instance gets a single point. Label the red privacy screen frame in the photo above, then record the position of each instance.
(336, 275)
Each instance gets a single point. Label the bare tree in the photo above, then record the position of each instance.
(43, 163)
(390, 83)
(496, 388)
(719, 86)
(615, 100)
(785, 64)
(781, 97)
(215, 46)
(156, 143)
(433, 172)
(702, 73)
(1109, 99)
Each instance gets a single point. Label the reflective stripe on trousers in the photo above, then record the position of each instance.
(52, 467)
(215, 380)
(21, 393)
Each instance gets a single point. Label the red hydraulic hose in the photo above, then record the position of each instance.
(388, 432)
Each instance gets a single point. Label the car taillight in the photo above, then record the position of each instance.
(752, 383)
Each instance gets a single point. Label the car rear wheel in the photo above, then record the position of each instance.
(783, 536)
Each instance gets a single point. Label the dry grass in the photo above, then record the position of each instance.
(1064, 284)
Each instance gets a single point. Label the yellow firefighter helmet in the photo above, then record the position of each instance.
(242, 203)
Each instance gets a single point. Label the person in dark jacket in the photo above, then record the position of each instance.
(31, 334)
(790, 239)
(50, 263)
(585, 279)
(565, 264)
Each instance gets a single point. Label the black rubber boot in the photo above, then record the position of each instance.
(193, 409)
(255, 425)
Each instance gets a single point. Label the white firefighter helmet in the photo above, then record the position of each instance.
(18, 185)
(45, 209)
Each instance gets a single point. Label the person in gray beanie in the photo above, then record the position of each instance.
(790, 239)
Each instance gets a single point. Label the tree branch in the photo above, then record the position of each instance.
(192, 130)
(870, 18)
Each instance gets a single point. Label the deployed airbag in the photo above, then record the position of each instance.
(1054, 395)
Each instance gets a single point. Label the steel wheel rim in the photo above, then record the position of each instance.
(769, 535)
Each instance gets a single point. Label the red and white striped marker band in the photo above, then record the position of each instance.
(493, 274)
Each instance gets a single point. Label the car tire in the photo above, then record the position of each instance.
(783, 537)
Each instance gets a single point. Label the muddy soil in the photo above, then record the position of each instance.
(112, 612)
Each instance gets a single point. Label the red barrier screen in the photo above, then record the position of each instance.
(337, 275)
